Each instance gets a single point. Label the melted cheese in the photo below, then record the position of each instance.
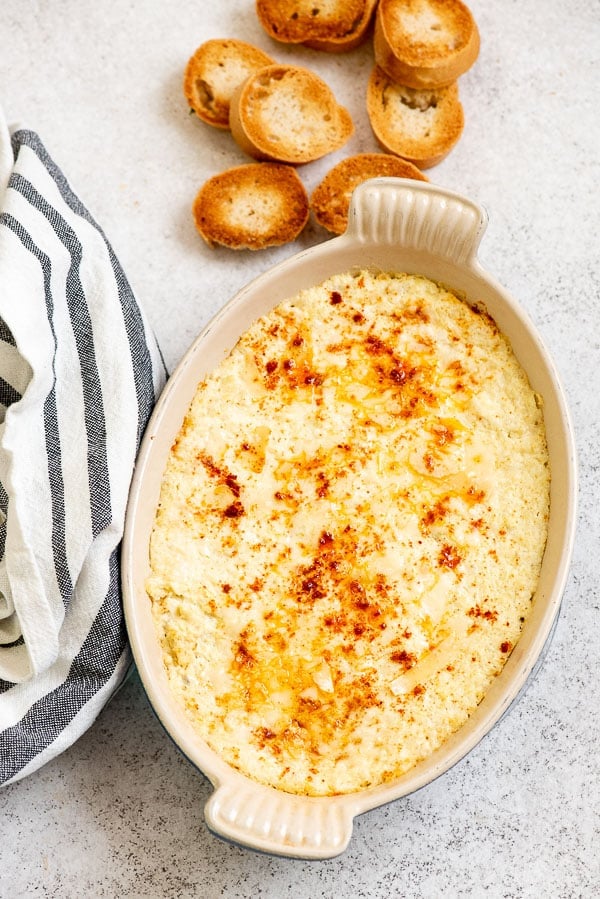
(350, 531)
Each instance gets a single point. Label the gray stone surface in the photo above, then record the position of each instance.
(120, 812)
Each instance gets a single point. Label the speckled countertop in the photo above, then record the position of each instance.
(120, 812)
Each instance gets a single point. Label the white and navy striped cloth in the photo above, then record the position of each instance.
(79, 375)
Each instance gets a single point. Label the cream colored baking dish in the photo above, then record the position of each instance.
(394, 224)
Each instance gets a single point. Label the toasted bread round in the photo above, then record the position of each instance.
(251, 207)
(299, 21)
(347, 40)
(425, 43)
(330, 200)
(287, 114)
(419, 125)
(212, 73)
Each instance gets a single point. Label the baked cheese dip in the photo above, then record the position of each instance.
(350, 532)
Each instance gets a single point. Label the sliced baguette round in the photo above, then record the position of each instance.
(425, 43)
(287, 114)
(212, 73)
(251, 207)
(320, 24)
(294, 21)
(348, 40)
(421, 125)
(330, 200)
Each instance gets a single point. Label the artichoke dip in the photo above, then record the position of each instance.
(350, 532)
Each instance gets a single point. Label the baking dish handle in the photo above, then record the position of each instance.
(416, 215)
(280, 823)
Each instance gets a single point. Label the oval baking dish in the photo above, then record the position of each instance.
(394, 225)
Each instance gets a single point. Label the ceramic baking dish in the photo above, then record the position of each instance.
(399, 225)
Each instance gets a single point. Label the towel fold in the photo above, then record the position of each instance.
(80, 372)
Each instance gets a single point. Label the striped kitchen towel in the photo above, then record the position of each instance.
(79, 375)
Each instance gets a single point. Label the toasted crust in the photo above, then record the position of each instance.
(287, 114)
(302, 21)
(351, 39)
(419, 125)
(251, 207)
(330, 200)
(425, 43)
(212, 73)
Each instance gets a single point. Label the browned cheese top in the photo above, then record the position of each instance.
(350, 532)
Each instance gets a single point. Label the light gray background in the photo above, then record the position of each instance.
(120, 813)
